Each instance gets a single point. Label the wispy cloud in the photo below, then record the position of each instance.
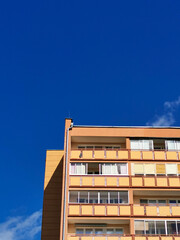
(21, 228)
(167, 118)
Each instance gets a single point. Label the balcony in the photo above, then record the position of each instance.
(124, 210)
(125, 154)
(124, 181)
(124, 237)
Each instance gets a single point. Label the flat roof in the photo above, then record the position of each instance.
(99, 126)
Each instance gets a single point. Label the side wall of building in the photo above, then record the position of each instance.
(51, 219)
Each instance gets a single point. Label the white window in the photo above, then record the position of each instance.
(141, 144)
(158, 227)
(114, 169)
(172, 145)
(78, 168)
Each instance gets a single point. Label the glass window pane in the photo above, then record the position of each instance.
(93, 168)
(178, 145)
(113, 197)
(139, 227)
(93, 197)
(150, 227)
(114, 169)
(106, 168)
(103, 197)
(80, 168)
(160, 227)
(171, 145)
(123, 197)
(143, 201)
(171, 227)
(118, 231)
(73, 197)
(135, 144)
(162, 202)
(98, 231)
(79, 230)
(152, 201)
(172, 201)
(72, 168)
(83, 197)
(109, 230)
(178, 227)
(122, 169)
(89, 231)
(147, 144)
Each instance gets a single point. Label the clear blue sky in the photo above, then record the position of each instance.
(99, 62)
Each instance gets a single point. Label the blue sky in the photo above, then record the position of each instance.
(99, 62)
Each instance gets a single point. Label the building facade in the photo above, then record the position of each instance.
(113, 183)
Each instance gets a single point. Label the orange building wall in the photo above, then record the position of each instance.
(52, 196)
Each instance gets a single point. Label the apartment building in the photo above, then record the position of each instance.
(113, 183)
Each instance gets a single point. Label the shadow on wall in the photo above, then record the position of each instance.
(51, 216)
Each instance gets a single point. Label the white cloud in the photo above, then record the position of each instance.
(21, 228)
(167, 118)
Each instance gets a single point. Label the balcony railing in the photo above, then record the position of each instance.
(120, 210)
(124, 181)
(125, 154)
(123, 237)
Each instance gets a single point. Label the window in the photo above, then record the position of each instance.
(114, 197)
(73, 197)
(93, 168)
(98, 231)
(83, 197)
(103, 197)
(141, 144)
(157, 227)
(114, 169)
(78, 168)
(93, 197)
(143, 201)
(99, 147)
(160, 227)
(89, 231)
(150, 227)
(171, 227)
(109, 230)
(172, 145)
(171, 169)
(123, 196)
(139, 227)
(79, 230)
(118, 231)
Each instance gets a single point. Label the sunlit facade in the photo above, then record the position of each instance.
(113, 183)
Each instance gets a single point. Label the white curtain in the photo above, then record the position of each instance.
(147, 144)
(80, 168)
(106, 168)
(114, 169)
(135, 144)
(142, 144)
(171, 145)
(178, 145)
(123, 168)
(171, 168)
